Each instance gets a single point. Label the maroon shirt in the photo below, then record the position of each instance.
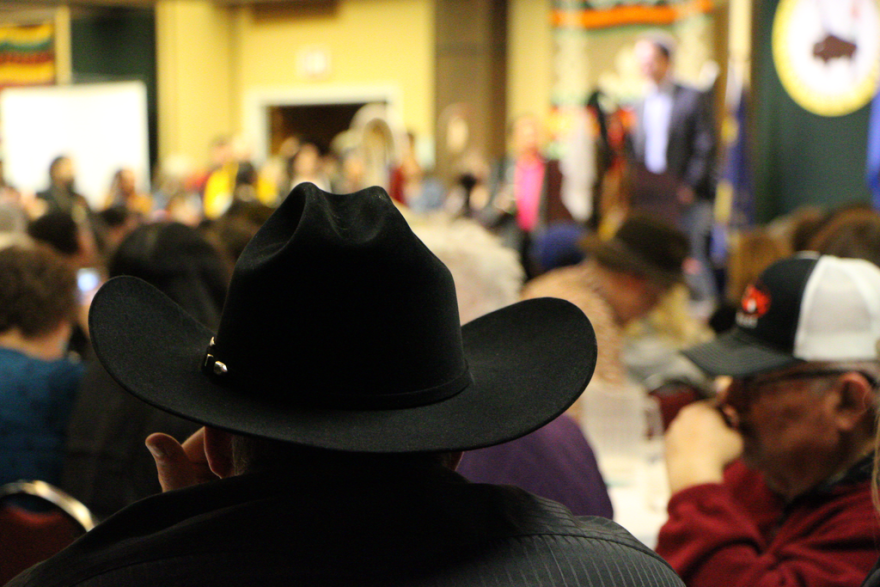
(740, 534)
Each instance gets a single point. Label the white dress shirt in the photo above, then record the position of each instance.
(657, 114)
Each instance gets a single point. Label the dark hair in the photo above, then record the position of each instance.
(37, 290)
(233, 231)
(114, 216)
(246, 174)
(251, 454)
(177, 260)
(58, 230)
(853, 233)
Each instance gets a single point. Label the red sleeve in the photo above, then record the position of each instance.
(715, 535)
(395, 187)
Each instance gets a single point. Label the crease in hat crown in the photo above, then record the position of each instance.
(341, 278)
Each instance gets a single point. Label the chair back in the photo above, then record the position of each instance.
(37, 520)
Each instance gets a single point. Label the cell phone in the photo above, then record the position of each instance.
(88, 279)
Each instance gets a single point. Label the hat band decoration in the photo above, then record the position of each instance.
(211, 366)
(218, 372)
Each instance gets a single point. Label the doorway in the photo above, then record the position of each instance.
(317, 123)
(271, 114)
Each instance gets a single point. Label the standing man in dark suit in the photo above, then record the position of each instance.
(672, 152)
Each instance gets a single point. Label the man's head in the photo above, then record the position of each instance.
(62, 172)
(73, 241)
(37, 292)
(124, 181)
(654, 54)
(803, 362)
(341, 331)
(641, 262)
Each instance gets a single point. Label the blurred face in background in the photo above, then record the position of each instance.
(126, 181)
(636, 296)
(526, 136)
(63, 172)
(308, 161)
(653, 64)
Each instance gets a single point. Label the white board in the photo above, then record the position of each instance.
(102, 127)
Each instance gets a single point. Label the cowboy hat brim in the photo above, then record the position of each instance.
(617, 255)
(528, 362)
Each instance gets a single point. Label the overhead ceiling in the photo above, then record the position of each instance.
(24, 11)
(20, 5)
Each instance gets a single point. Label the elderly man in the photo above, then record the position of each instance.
(771, 486)
(337, 395)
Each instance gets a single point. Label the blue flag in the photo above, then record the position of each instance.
(737, 169)
(872, 166)
(735, 202)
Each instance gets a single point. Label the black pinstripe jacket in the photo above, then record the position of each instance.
(422, 526)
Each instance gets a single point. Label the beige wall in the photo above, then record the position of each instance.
(210, 58)
(194, 81)
(529, 57)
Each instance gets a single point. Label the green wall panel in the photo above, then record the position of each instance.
(800, 158)
(118, 44)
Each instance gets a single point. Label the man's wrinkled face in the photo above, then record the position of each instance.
(784, 419)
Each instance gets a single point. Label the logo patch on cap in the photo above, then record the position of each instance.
(755, 303)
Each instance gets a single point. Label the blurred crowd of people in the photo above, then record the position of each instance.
(627, 244)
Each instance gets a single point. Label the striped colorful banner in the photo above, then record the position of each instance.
(27, 55)
(583, 15)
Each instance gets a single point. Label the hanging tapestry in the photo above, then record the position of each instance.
(27, 55)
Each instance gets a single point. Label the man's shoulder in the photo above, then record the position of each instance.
(563, 550)
(687, 94)
(480, 534)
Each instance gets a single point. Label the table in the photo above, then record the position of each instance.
(640, 503)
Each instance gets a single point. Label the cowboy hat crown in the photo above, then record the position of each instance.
(341, 331)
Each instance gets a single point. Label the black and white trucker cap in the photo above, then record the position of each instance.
(804, 308)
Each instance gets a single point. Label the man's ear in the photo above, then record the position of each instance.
(852, 402)
(218, 450)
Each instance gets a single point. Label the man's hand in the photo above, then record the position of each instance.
(180, 465)
(699, 445)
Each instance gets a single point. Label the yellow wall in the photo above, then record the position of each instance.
(529, 57)
(209, 58)
(194, 81)
(369, 42)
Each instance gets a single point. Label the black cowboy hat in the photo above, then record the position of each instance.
(341, 331)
